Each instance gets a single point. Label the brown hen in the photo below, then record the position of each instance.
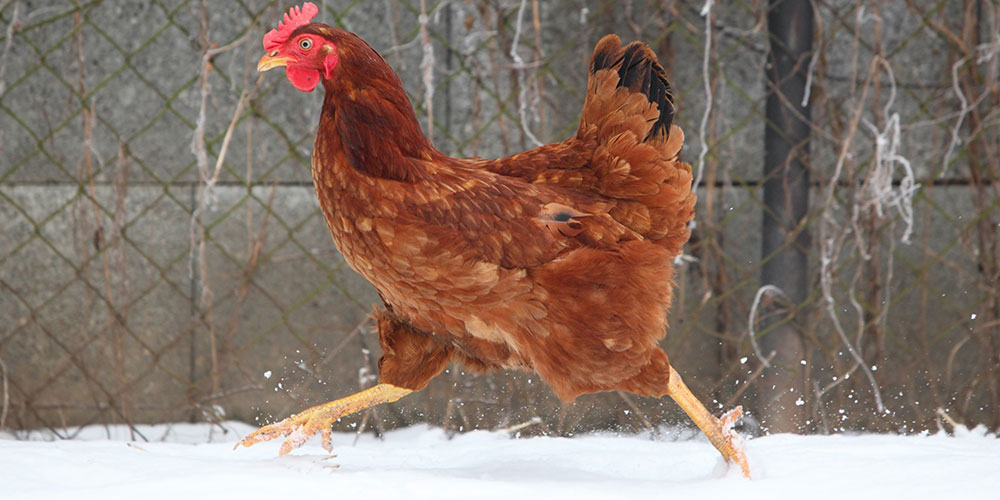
(556, 260)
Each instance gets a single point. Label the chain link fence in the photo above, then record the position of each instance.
(164, 259)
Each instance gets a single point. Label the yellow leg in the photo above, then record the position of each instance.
(319, 418)
(718, 431)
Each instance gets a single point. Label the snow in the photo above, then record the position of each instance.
(198, 461)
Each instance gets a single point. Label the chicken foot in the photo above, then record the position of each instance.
(302, 426)
(718, 430)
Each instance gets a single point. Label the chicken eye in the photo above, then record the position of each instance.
(305, 43)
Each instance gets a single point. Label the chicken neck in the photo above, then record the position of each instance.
(368, 117)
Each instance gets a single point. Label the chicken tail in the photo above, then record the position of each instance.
(638, 72)
(627, 116)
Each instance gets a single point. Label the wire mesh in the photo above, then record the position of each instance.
(164, 257)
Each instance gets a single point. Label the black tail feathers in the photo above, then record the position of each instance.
(639, 71)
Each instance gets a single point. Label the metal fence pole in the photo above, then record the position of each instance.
(786, 195)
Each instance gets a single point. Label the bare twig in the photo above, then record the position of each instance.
(986, 52)
(752, 320)
(765, 362)
(829, 246)
(514, 429)
(814, 60)
(940, 412)
(706, 12)
(638, 412)
(427, 68)
(209, 177)
(520, 68)
(6, 395)
(8, 43)
(881, 179)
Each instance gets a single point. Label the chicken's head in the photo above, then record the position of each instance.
(301, 48)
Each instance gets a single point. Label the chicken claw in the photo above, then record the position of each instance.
(320, 418)
(733, 452)
(718, 430)
(299, 428)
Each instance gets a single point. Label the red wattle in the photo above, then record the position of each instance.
(304, 79)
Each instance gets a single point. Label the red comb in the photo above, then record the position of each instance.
(295, 18)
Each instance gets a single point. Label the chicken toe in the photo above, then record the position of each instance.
(300, 427)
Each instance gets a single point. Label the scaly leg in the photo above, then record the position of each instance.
(718, 431)
(320, 418)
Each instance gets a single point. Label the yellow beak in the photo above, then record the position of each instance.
(270, 62)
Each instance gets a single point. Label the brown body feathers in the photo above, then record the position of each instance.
(557, 259)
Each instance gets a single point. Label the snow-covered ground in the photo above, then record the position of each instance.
(197, 461)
